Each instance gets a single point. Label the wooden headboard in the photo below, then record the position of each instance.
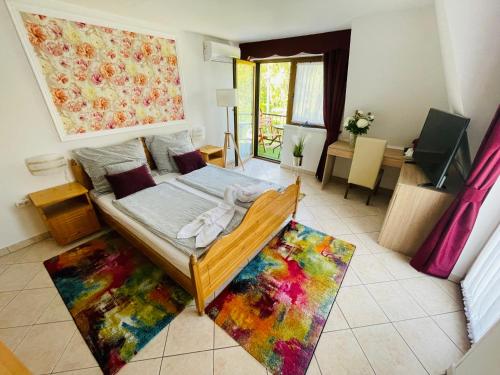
(83, 178)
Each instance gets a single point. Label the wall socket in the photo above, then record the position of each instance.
(23, 202)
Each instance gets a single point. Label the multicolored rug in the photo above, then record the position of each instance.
(117, 297)
(278, 304)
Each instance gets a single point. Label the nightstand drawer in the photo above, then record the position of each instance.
(73, 224)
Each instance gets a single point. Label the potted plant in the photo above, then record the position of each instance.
(298, 150)
(358, 124)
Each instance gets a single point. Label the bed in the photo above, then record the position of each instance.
(205, 275)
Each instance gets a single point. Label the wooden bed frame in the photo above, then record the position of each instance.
(225, 256)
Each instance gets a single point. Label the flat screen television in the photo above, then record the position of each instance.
(443, 145)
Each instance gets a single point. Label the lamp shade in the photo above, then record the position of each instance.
(227, 97)
(44, 165)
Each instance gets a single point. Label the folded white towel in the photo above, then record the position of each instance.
(207, 226)
(250, 193)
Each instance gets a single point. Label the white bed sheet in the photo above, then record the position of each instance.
(178, 258)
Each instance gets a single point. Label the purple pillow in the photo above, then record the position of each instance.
(131, 181)
(190, 161)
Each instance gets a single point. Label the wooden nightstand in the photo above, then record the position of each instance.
(213, 155)
(67, 211)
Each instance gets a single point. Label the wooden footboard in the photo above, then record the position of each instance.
(262, 220)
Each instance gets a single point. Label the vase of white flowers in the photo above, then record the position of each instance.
(357, 125)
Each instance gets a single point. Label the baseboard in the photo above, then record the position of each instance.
(298, 170)
(24, 243)
(455, 278)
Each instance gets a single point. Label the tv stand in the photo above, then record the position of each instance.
(414, 209)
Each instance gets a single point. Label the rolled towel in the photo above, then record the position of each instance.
(250, 193)
(207, 226)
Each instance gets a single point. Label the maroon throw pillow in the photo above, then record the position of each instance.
(130, 182)
(190, 161)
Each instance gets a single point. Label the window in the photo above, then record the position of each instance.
(308, 94)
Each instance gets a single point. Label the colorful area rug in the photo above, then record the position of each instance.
(117, 297)
(278, 304)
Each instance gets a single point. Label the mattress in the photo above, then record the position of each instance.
(176, 257)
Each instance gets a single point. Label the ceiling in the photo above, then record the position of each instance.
(244, 20)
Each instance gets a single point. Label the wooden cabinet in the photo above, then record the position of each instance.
(413, 211)
(213, 155)
(67, 211)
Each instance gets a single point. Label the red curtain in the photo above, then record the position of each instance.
(314, 44)
(335, 65)
(439, 253)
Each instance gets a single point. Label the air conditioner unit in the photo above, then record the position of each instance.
(220, 52)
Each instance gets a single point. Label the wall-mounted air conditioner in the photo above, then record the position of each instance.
(220, 52)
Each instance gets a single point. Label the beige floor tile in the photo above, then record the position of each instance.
(26, 307)
(339, 353)
(77, 355)
(41, 280)
(449, 287)
(55, 312)
(313, 368)
(370, 270)
(236, 361)
(222, 339)
(146, 367)
(43, 346)
(17, 276)
(200, 363)
(354, 209)
(387, 352)
(395, 301)
(455, 326)
(334, 227)
(14, 257)
(154, 348)
(12, 337)
(41, 251)
(430, 296)
(364, 224)
(86, 371)
(6, 297)
(351, 278)
(189, 332)
(371, 241)
(336, 320)
(358, 307)
(432, 347)
(398, 265)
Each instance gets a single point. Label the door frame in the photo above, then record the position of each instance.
(235, 109)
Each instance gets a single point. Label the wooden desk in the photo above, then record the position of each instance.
(392, 158)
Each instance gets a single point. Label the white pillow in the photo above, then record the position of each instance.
(160, 146)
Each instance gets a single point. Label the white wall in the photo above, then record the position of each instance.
(471, 54)
(315, 140)
(26, 128)
(395, 71)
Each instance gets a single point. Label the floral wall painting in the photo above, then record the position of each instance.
(99, 79)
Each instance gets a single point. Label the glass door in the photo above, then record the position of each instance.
(244, 116)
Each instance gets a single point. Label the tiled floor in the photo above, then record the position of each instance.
(388, 318)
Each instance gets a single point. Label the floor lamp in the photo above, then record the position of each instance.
(228, 98)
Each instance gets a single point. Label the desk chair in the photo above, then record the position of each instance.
(365, 168)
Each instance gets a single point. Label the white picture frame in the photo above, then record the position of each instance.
(16, 7)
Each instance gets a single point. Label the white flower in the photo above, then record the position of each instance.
(347, 121)
(362, 123)
(371, 117)
(361, 113)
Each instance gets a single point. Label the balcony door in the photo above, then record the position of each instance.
(244, 115)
